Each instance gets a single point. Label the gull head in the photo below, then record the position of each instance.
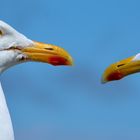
(16, 48)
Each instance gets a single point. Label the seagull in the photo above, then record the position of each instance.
(15, 48)
(122, 69)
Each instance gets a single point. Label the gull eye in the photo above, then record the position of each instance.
(1, 33)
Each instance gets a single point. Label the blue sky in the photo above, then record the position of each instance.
(59, 103)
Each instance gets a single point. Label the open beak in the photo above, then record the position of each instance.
(121, 69)
(47, 53)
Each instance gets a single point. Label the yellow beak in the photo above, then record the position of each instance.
(121, 69)
(47, 53)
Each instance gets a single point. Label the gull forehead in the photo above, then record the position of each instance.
(11, 37)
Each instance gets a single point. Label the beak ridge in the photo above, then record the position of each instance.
(120, 69)
(48, 53)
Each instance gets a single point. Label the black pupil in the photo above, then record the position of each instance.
(0, 32)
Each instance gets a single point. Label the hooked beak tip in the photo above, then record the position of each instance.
(58, 60)
(48, 53)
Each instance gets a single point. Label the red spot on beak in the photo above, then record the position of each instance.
(115, 76)
(57, 60)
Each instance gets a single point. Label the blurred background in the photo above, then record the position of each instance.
(70, 103)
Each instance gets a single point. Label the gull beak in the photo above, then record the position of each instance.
(121, 69)
(47, 53)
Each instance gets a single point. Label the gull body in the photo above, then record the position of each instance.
(6, 128)
(15, 48)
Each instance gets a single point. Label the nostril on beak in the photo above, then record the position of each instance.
(51, 49)
(120, 65)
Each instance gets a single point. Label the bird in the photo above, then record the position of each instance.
(121, 69)
(15, 48)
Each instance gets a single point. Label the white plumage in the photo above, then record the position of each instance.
(16, 48)
(12, 38)
(6, 128)
(9, 38)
